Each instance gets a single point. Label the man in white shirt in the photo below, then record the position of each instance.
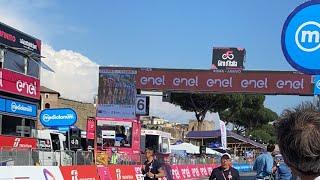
(298, 134)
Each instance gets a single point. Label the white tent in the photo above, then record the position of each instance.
(192, 149)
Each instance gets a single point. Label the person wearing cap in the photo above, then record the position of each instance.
(152, 168)
(225, 171)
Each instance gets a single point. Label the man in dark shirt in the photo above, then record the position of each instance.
(225, 171)
(152, 168)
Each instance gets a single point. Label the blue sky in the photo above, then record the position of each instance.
(166, 33)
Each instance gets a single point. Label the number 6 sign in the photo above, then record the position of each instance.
(142, 105)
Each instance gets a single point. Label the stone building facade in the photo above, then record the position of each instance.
(51, 99)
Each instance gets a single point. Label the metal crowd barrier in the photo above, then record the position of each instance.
(15, 156)
(43, 157)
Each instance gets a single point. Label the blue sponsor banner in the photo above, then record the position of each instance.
(317, 85)
(2, 104)
(21, 108)
(61, 117)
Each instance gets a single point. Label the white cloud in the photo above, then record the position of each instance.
(75, 77)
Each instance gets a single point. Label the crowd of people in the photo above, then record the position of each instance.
(298, 136)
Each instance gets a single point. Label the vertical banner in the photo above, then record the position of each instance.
(223, 130)
(117, 93)
(91, 128)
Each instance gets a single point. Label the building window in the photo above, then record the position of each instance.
(47, 106)
(19, 62)
(46, 95)
(14, 61)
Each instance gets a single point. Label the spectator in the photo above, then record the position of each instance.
(225, 171)
(264, 164)
(152, 168)
(298, 134)
(283, 172)
(114, 156)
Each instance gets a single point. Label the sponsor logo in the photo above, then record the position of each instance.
(28, 45)
(48, 175)
(19, 107)
(16, 142)
(306, 38)
(7, 36)
(318, 84)
(300, 38)
(74, 175)
(30, 88)
(228, 55)
(47, 117)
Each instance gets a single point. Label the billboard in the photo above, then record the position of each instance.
(19, 84)
(116, 93)
(60, 117)
(228, 58)
(257, 82)
(16, 39)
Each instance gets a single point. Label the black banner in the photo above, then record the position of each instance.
(228, 58)
(16, 39)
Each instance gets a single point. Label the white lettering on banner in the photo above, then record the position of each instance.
(74, 175)
(118, 173)
(186, 81)
(255, 83)
(222, 83)
(31, 88)
(28, 44)
(47, 117)
(292, 84)
(16, 142)
(15, 107)
(158, 81)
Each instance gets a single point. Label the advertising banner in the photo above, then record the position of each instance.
(59, 117)
(260, 82)
(80, 172)
(31, 172)
(228, 58)
(119, 172)
(21, 108)
(18, 142)
(223, 131)
(16, 39)
(91, 128)
(19, 84)
(116, 93)
(104, 173)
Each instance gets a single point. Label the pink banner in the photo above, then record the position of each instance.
(19, 84)
(91, 128)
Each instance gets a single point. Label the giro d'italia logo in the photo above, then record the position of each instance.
(300, 38)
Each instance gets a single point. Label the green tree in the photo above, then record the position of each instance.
(249, 113)
(201, 104)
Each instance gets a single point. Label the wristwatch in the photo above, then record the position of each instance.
(154, 176)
